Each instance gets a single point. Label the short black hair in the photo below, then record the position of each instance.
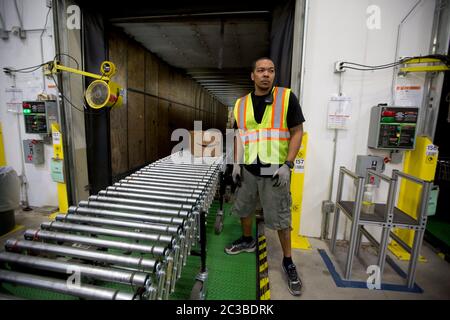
(262, 58)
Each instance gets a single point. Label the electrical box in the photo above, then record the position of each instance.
(39, 116)
(33, 151)
(393, 128)
(375, 163)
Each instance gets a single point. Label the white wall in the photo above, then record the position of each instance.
(18, 53)
(337, 30)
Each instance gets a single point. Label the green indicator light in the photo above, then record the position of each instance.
(26, 111)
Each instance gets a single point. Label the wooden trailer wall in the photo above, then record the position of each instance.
(160, 99)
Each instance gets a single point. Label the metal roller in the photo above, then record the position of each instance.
(147, 197)
(169, 182)
(141, 264)
(167, 229)
(180, 170)
(170, 176)
(180, 193)
(130, 216)
(32, 234)
(107, 274)
(154, 237)
(174, 180)
(192, 163)
(182, 165)
(144, 204)
(82, 291)
(160, 185)
(188, 175)
(9, 297)
(172, 169)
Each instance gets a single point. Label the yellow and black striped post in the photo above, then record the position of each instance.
(263, 269)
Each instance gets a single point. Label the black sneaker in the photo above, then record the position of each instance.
(240, 245)
(294, 283)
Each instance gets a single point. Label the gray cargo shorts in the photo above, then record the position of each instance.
(275, 201)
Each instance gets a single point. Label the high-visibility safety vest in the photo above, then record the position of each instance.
(269, 140)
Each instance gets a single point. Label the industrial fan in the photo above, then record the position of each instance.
(102, 92)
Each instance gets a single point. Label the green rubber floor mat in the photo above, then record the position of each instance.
(184, 285)
(230, 277)
(440, 229)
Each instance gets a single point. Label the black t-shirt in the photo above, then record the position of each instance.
(294, 118)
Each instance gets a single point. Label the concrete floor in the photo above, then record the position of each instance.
(24, 220)
(432, 276)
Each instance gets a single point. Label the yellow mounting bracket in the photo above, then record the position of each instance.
(437, 66)
(107, 70)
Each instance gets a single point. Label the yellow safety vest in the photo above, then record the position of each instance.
(269, 140)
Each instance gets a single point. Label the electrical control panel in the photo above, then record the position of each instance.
(39, 115)
(33, 151)
(393, 128)
(375, 163)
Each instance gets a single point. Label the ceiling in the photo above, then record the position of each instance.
(215, 49)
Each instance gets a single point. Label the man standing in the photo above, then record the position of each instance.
(270, 123)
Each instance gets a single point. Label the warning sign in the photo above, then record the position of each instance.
(431, 154)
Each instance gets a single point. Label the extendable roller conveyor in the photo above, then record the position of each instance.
(137, 232)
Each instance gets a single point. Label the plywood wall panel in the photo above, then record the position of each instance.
(163, 128)
(136, 130)
(136, 67)
(151, 128)
(119, 116)
(163, 80)
(151, 74)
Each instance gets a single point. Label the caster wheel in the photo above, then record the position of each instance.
(197, 292)
(218, 225)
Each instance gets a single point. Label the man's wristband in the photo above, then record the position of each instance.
(290, 164)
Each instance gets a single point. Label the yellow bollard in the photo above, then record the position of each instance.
(420, 163)
(59, 155)
(297, 180)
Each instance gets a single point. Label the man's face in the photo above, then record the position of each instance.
(264, 74)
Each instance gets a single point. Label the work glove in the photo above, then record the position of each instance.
(236, 174)
(282, 175)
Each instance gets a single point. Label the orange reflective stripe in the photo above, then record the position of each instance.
(265, 139)
(274, 103)
(245, 111)
(282, 108)
(249, 132)
(260, 135)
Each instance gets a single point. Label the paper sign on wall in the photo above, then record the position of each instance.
(408, 92)
(339, 112)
